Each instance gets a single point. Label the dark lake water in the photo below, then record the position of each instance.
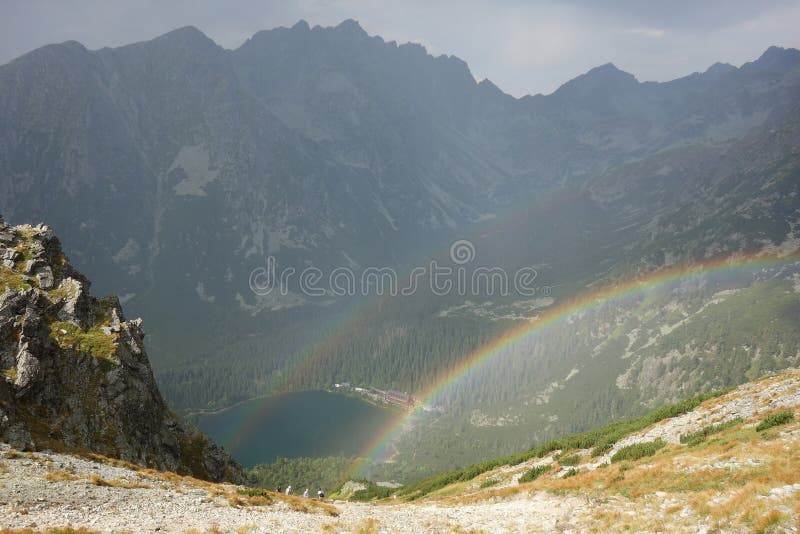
(308, 423)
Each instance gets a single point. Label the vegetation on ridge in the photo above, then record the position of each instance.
(94, 340)
(605, 436)
(694, 438)
(637, 451)
(534, 473)
(775, 419)
(11, 280)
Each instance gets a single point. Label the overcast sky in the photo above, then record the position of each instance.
(522, 46)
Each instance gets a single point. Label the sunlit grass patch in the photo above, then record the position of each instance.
(93, 341)
(99, 481)
(771, 518)
(10, 279)
(250, 497)
(13, 454)
(58, 475)
(368, 525)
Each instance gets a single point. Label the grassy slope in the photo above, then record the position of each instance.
(601, 439)
(738, 472)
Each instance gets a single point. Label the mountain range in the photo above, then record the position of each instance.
(173, 168)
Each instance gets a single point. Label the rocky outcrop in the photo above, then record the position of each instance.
(75, 375)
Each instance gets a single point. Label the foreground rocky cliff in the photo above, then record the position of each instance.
(75, 375)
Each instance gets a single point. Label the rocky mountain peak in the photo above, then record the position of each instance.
(301, 25)
(185, 34)
(778, 57)
(719, 69)
(351, 27)
(604, 77)
(75, 374)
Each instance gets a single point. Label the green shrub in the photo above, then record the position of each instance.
(571, 473)
(489, 482)
(602, 448)
(575, 459)
(535, 473)
(638, 450)
(775, 419)
(695, 438)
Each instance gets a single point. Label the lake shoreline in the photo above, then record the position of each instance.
(312, 423)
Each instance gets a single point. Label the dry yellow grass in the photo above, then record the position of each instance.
(773, 517)
(725, 480)
(14, 454)
(98, 481)
(301, 504)
(368, 526)
(58, 475)
(259, 497)
(248, 500)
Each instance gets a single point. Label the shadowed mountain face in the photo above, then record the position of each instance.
(172, 168)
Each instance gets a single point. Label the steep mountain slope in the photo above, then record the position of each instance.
(75, 373)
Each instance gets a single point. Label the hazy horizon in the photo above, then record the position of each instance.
(523, 48)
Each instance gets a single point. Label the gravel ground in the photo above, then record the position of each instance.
(44, 490)
(29, 500)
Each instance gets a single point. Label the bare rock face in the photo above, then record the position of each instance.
(75, 375)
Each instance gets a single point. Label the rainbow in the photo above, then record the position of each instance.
(553, 315)
(339, 329)
(258, 412)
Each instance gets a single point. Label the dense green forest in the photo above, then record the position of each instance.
(403, 355)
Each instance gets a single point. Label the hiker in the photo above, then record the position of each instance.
(288, 490)
(320, 494)
(279, 489)
(305, 493)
